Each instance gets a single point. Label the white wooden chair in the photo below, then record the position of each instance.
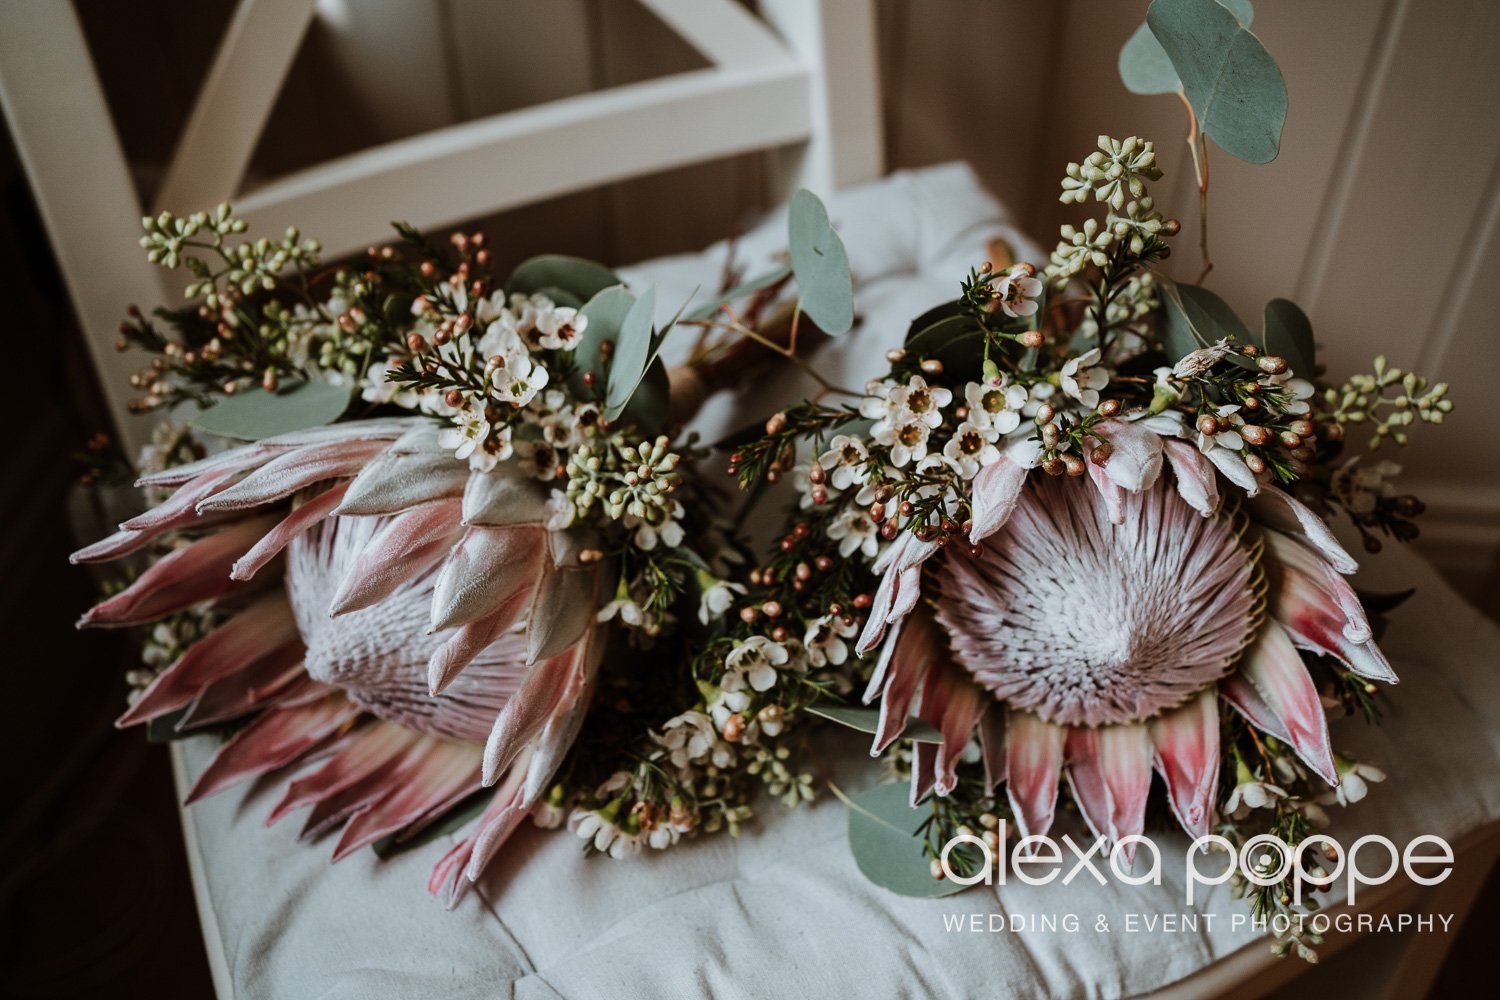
(799, 82)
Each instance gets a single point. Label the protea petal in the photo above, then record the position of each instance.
(433, 777)
(899, 568)
(374, 429)
(1186, 741)
(1235, 470)
(1125, 764)
(182, 506)
(880, 607)
(274, 740)
(483, 571)
(263, 683)
(1112, 492)
(240, 459)
(121, 543)
(259, 630)
(992, 746)
(126, 540)
(525, 714)
(294, 470)
(952, 703)
(468, 641)
(395, 481)
(418, 438)
(1194, 473)
(199, 571)
(305, 516)
(498, 500)
(451, 876)
(367, 749)
(996, 489)
(923, 771)
(876, 685)
(916, 647)
(562, 610)
(402, 550)
(905, 552)
(1275, 671)
(1135, 454)
(334, 810)
(557, 736)
(1085, 778)
(1313, 570)
(1033, 762)
(1279, 509)
(1316, 620)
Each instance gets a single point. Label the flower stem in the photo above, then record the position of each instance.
(1198, 146)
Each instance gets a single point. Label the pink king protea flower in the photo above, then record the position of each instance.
(1101, 624)
(424, 635)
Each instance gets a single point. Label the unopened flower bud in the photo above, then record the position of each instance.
(1254, 434)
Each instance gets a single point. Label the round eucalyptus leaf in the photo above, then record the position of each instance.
(631, 355)
(888, 849)
(821, 265)
(256, 413)
(1232, 82)
(583, 279)
(1144, 66)
(867, 720)
(606, 312)
(1288, 332)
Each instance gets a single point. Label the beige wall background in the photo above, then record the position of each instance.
(1379, 217)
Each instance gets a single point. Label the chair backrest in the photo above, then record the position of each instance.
(799, 81)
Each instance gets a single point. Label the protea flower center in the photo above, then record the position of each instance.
(1089, 623)
(379, 655)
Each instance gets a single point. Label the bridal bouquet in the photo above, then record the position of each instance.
(460, 522)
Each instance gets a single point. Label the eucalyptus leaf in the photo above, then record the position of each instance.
(581, 278)
(1178, 336)
(821, 265)
(1213, 317)
(256, 413)
(933, 316)
(631, 355)
(1144, 65)
(559, 296)
(888, 849)
(1230, 79)
(739, 292)
(1288, 332)
(606, 312)
(647, 409)
(1214, 320)
(867, 720)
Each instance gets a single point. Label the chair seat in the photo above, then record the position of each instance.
(782, 910)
